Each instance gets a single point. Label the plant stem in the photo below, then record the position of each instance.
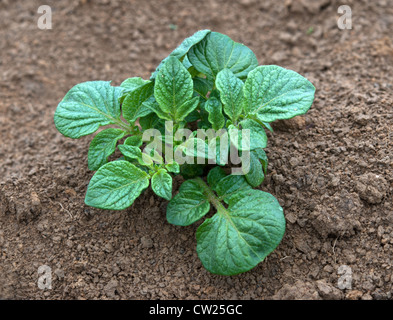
(213, 199)
(255, 118)
(124, 126)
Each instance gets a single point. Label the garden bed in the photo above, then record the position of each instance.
(331, 170)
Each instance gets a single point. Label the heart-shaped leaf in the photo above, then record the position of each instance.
(188, 206)
(133, 104)
(236, 239)
(183, 48)
(86, 107)
(116, 185)
(273, 92)
(102, 146)
(217, 52)
(161, 183)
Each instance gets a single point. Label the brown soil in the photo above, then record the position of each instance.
(331, 170)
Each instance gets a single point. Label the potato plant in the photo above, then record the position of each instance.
(202, 114)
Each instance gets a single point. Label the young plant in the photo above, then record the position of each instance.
(202, 114)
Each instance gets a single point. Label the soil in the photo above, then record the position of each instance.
(331, 169)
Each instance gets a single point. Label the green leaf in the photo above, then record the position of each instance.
(173, 167)
(152, 121)
(255, 175)
(133, 105)
(221, 149)
(231, 93)
(215, 94)
(195, 147)
(102, 146)
(236, 239)
(216, 118)
(258, 137)
(116, 185)
(217, 52)
(86, 107)
(189, 186)
(261, 154)
(161, 183)
(230, 185)
(202, 86)
(131, 152)
(188, 206)
(214, 176)
(204, 123)
(192, 116)
(133, 141)
(186, 108)
(189, 171)
(130, 85)
(153, 105)
(153, 155)
(239, 138)
(273, 93)
(183, 48)
(143, 158)
(187, 64)
(267, 126)
(173, 90)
